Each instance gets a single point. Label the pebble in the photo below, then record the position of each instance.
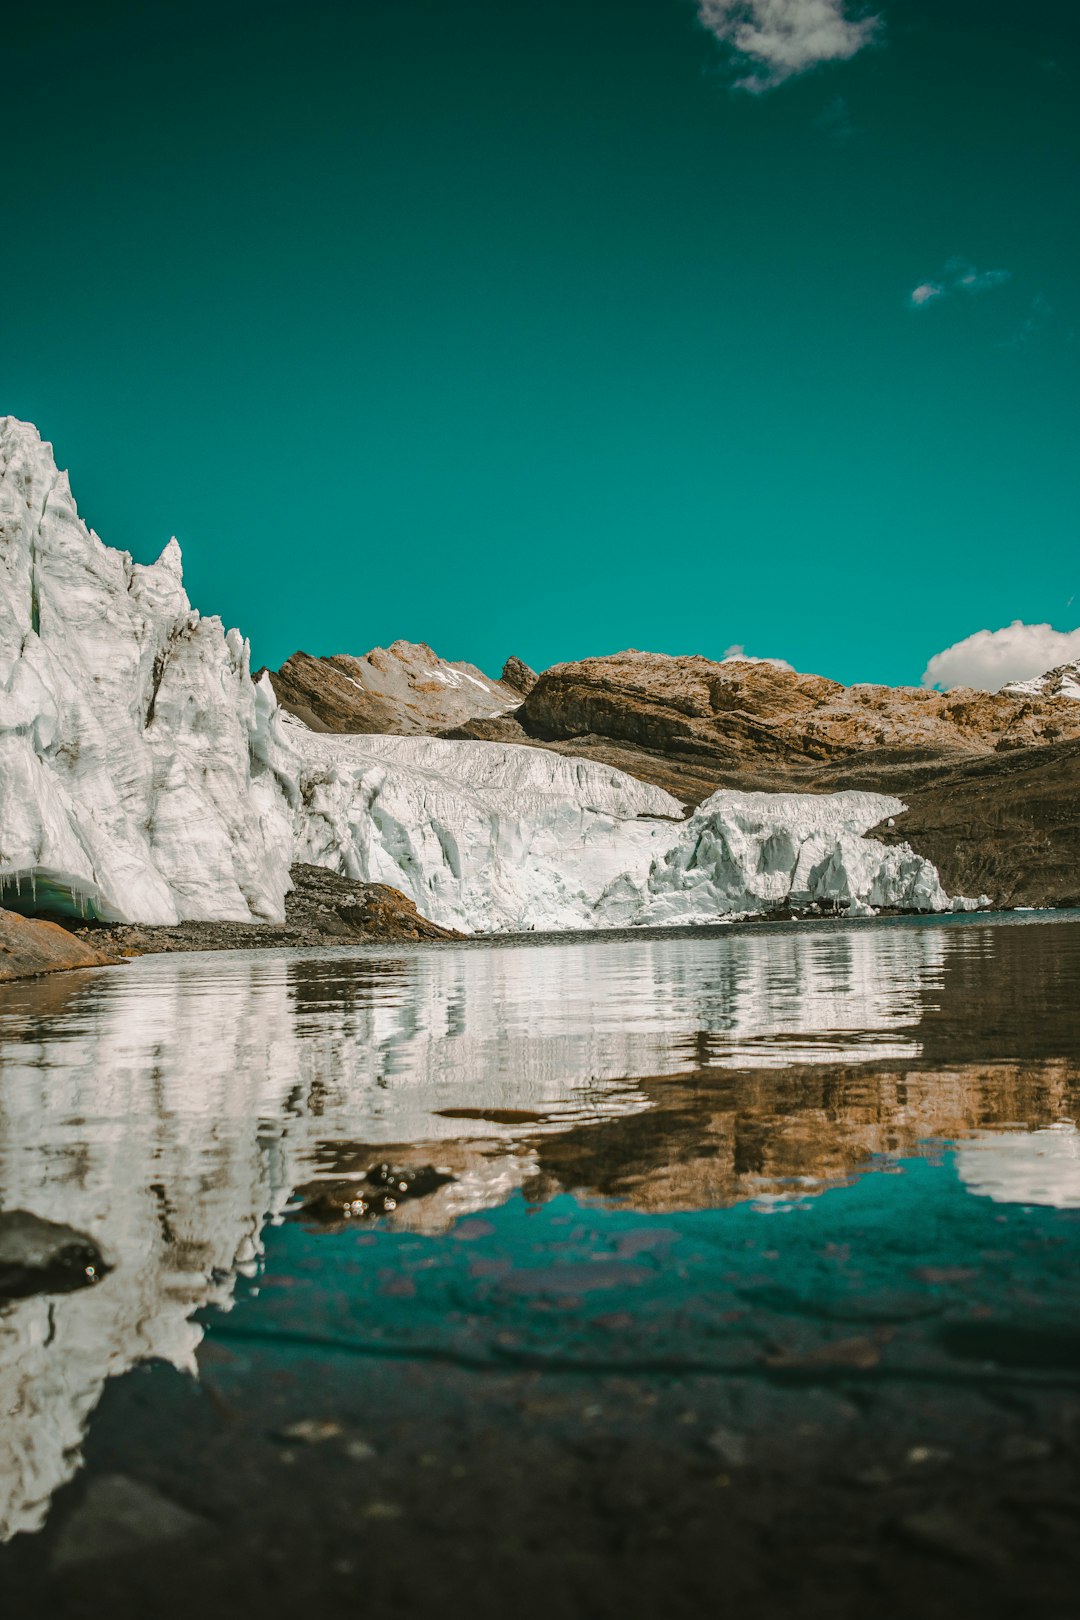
(310, 1431)
(118, 1515)
(730, 1446)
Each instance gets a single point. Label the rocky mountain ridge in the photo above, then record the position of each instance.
(1062, 681)
(406, 689)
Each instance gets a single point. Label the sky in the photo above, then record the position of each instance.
(564, 326)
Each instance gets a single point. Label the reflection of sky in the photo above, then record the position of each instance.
(1024, 1167)
(168, 1108)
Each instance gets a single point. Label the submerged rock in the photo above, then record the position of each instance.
(379, 1192)
(117, 1516)
(44, 1257)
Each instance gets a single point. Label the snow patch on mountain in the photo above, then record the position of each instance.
(1063, 681)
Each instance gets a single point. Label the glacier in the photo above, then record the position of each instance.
(133, 781)
(145, 777)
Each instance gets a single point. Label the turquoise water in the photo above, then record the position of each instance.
(906, 1271)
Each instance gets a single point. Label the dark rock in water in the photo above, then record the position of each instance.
(43, 1257)
(379, 1192)
(119, 1516)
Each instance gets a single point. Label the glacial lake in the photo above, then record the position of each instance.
(716, 1181)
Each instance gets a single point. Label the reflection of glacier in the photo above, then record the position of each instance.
(169, 1107)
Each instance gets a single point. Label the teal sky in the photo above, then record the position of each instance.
(519, 328)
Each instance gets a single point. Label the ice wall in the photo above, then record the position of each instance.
(499, 837)
(129, 749)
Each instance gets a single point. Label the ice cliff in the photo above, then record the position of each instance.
(143, 776)
(495, 837)
(133, 777)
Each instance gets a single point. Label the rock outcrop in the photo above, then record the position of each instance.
(518, 676)
(405, 688)
(322, 908)
(767, 722)
(30, 946)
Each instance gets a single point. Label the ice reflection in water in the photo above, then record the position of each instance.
(169, 1108)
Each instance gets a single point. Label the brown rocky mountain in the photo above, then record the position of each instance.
(766, 722)
(992, 781)
(405, 688)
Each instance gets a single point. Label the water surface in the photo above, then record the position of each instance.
(816, 1151)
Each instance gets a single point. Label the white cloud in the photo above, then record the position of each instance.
(958, 276)
(776, 39)
(982, 280)
(737, 654)
(989, 658)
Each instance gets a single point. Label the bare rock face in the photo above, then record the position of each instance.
(1007, 824)
(29, 946)
(386, 913)
(744, 715)
(519, 676)
(405, 688)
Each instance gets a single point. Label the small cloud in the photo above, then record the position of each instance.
(990, 658)
(958, 276)
(737, 654)
(834, 120)
(1039, 313)
(968, 279)
(774, 40)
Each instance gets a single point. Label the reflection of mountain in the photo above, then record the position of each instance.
(713, 1139)
(170, 1107)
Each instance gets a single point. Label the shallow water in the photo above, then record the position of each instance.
(810, 1152)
